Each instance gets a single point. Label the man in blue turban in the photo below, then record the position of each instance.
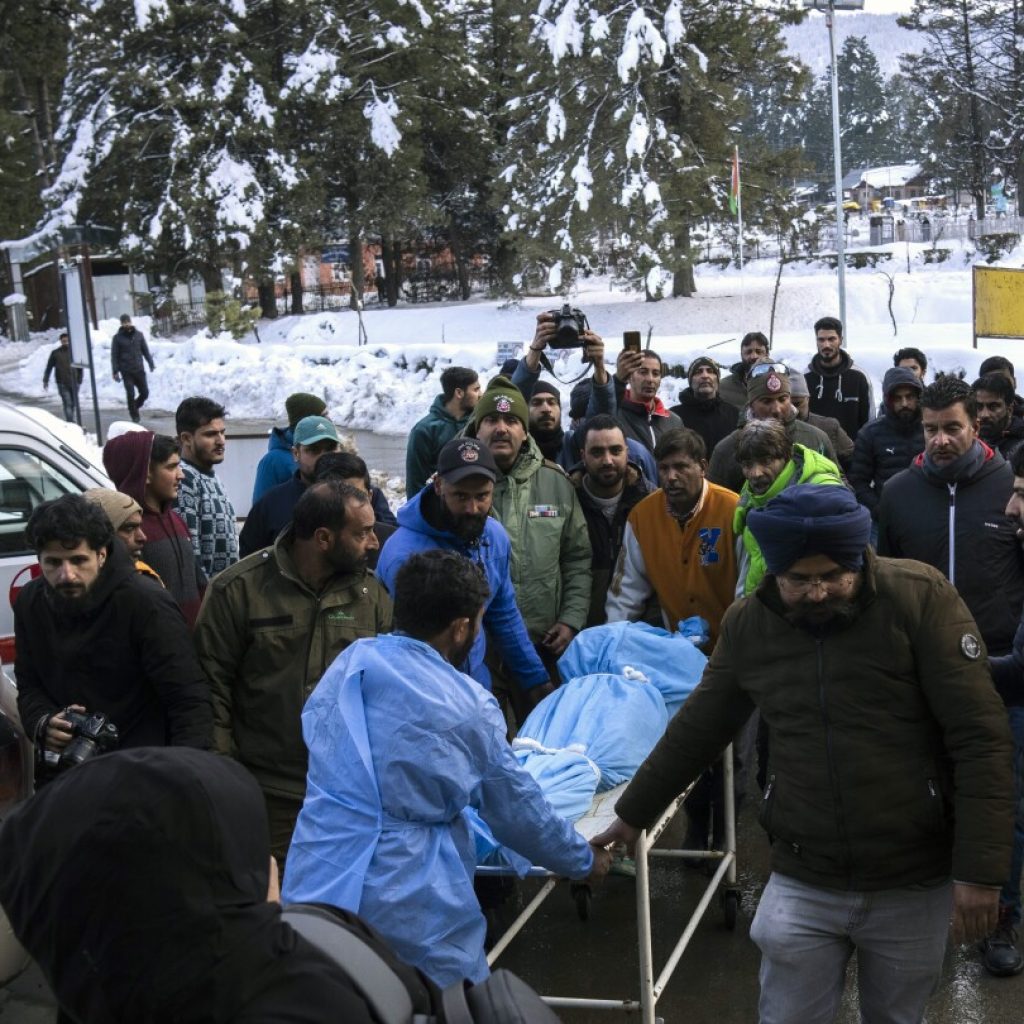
(888, 792)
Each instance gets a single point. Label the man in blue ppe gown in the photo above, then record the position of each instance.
(400, 743)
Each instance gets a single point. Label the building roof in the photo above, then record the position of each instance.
(889, 177)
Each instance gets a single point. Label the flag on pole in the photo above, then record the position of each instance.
(734, 188)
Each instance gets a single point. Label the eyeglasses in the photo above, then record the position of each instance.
(760, 369)
(798, 583)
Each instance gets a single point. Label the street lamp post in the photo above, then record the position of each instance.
(830, 7)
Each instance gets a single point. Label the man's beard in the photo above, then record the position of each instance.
(991, 432)
(834, 612)
(70, 602)
(344, 561)
(469, 528)
(907, 415)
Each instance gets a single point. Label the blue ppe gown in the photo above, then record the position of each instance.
(400, 744)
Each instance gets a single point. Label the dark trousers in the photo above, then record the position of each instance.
(69, 400)
(282, 812)
(136, 391)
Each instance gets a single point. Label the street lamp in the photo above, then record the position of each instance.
(830, 7)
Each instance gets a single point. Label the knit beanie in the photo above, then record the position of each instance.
(116, 505)
(811, 519)
(798, 385)
(767, 385)
(703, 361)
(501, 396)
(302, 404)
(545, 387)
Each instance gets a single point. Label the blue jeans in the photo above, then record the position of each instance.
(1010, 896)
(68, 399)
(807, 935)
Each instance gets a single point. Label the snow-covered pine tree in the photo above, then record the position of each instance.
(864, 119)
(167, 127)
(952, 79)
(624, 126)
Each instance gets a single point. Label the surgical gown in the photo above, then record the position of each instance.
(400, 742)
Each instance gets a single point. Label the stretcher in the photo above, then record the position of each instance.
(722, 882)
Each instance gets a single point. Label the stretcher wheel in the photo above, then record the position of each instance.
(581, 895)
(730, 907)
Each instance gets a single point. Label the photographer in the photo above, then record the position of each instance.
(96, 639)
(545, 401)
(642, 414)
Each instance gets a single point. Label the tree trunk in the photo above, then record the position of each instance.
(387, 255)
(213, 280)
(355, 245)
(296, 283)
(27, 111)
(46, 118)
(683, 283)
(461, 269)
(268, 301)
(977, 141)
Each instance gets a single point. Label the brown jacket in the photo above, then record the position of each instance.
(884, 733)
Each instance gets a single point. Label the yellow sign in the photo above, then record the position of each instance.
(998, 303)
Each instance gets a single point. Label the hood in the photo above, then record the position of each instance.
(180, 836)
(280, 440)
(845, 363)
(438, 411)
(900, 377)
(126, 459)
(739, 371)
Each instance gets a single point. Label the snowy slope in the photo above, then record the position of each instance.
(809, 40)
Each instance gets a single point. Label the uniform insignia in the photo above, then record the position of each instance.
(469, 452)
(773, 383)
(970, 646)
(503, 404)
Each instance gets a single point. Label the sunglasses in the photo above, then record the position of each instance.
(760, 369)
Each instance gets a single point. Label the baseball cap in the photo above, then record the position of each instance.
(466, 456)
(314, 429)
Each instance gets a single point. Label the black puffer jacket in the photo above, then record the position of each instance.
(890, 760)
(842, 392)
(964, 533)
(712, 419)
(128, 350)
(886, 445)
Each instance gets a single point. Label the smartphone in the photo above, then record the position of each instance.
(631, 341)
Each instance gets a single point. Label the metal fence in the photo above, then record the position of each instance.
(176, 317)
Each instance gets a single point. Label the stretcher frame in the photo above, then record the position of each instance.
(599, 817)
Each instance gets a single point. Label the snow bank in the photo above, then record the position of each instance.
(388, 384)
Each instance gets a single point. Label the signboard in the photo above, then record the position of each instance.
(77, 315)
(334, 254)
(998, 303)
(508, 350)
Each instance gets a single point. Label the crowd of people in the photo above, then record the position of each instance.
(858, 570)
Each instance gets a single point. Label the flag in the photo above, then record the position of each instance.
(734, 187)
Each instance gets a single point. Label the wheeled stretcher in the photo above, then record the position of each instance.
(722, 882)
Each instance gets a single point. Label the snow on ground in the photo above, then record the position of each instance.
(389, 383)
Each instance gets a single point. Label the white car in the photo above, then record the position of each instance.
(41, 457)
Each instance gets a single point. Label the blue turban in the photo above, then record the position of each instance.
(811, 519)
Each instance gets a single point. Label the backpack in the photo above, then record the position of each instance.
(398, 994)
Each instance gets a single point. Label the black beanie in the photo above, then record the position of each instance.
(545, 387)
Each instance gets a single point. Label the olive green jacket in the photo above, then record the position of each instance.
(891, 761)
(264, 639)
(537, 505)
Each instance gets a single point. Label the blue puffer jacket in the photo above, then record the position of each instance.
(493, 552)
(277, 465)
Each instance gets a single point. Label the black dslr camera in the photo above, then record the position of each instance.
(569, 324)
(92, 734)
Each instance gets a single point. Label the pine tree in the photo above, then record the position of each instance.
(951, 78)
(621, 139)
(864, 120)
